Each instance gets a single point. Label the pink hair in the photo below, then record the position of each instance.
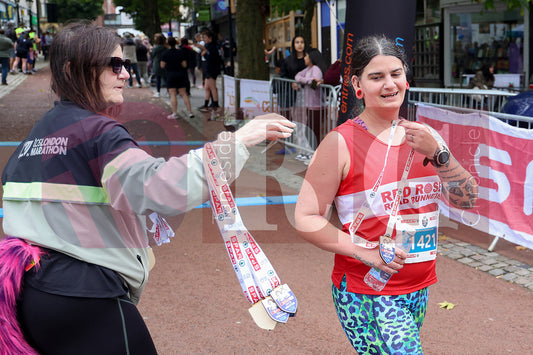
(15, 257)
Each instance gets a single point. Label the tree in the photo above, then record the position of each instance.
(250, 20)
(308, 7)
(79, 9)
(511, 4)
(149, 14)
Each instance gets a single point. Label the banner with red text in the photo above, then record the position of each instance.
(500, 157)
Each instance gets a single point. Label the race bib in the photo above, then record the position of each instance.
(424, 243)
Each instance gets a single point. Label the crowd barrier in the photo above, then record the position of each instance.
(488, 100)
(467, 100)
(316, 119)
(314, 114)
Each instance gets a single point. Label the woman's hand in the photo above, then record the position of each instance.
(295, 86)
(270, 126)
(419, 138)
(459, 186)
(372, 258)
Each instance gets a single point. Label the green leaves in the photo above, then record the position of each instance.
(79, 9)
(511, 4)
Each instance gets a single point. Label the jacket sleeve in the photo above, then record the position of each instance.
(300, 77)
(138, 182)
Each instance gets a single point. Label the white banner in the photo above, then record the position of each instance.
(255, 97)
(229, 93)
(500, 157)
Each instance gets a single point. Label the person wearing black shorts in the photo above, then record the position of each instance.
(22, 49)
(174, 60)
(211, 70)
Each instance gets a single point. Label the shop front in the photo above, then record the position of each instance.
(475, 37)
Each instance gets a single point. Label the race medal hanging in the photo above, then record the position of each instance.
(255, 273)
(285, 299)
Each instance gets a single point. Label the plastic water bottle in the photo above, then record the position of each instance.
(376, 278)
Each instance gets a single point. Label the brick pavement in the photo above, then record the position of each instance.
(14, 80)
(503, 267)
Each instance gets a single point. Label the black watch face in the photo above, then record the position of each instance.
(443, 157)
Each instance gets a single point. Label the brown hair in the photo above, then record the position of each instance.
(78, 56)
(371, 46)
(160, 39)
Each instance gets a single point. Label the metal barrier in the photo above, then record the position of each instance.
(488, 100)
(313, 110)
(467, 100)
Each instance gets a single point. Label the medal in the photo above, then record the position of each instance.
(387, 248)
(285, 299)
(274, 311)
(255, 273)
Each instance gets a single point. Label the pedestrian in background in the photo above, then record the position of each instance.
(198, 46)
(79, 245)
(366, 157)
(287, 92)
(22, 49)
(484, 78)
(130, 53)
(141, 51)
(34, 51)
(190, 54)
(308, 114)
(5, 46)
(155, 56)
(12, 35)
(211, 70)
(174, 61)
(46, 42)
(229, 50)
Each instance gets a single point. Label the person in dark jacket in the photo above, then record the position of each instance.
(211, 70)
(5, 46)
(155, 55)
(174, 61)
(142, 58)
(287, 92)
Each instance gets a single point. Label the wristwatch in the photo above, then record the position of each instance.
(440, 158)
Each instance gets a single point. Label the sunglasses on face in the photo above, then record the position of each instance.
(116, 64)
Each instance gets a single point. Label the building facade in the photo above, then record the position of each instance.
(453, 40)
(23, 12)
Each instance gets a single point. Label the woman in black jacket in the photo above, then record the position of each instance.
(286, 91)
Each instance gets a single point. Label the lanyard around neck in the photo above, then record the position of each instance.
(365, 209)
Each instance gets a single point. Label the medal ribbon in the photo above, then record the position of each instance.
(364, 210)
(254, 271)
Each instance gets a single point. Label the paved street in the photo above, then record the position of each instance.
(192, 303)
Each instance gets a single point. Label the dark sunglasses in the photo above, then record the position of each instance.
(116, 64)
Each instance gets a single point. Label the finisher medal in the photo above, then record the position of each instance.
(387, 248)
(285, 299)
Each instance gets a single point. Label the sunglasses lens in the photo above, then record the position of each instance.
(117, 63)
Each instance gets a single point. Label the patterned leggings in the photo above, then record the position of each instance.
(381, 324)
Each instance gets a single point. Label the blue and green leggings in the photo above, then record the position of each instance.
(381, 324)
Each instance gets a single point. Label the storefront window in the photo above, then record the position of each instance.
(486, 38)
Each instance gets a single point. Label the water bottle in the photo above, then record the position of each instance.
(377, 279)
